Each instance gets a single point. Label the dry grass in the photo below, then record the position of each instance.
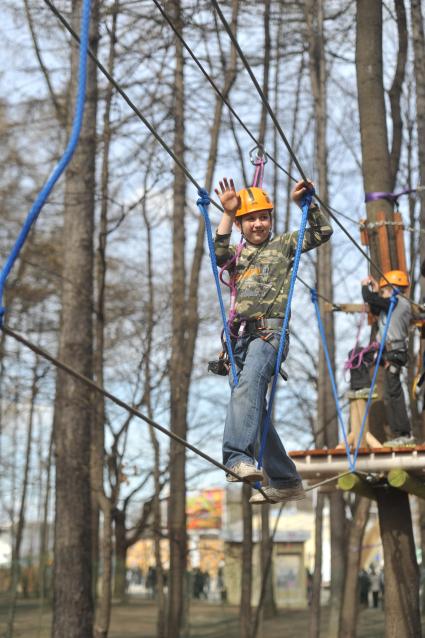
(137, 619)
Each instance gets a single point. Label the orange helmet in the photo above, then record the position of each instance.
(253, 199)
(394, 277)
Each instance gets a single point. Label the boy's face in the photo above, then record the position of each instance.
(386, 291)
(256, 226)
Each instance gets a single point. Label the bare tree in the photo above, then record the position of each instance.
(72, 604)
(400, 568)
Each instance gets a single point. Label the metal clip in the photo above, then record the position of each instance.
(260, 155)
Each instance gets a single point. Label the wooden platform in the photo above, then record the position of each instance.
(324, 463)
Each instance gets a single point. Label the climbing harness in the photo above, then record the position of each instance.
(358, 356)
(222, 365)
(63, 162)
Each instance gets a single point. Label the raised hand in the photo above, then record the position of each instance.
(228, 196)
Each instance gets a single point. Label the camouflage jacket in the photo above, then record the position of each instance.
(263, 272)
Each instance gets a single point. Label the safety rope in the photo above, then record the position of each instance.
(315, 300)
(63, 162)
(203, 202)
(393, 303)
(305, 205)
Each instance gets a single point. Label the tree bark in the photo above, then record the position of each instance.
(418, 40)
(350, 604)
(401, 574)
(402, 610)
(99, 499)
(16, 554)
(315, 605)
(72, 604)
(326, 403)
(245, 609)
(178, 381)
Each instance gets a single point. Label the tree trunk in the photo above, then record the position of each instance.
(99, 499)
(157, 519)
(401, 574)
(120, 554)
(402, 609)
(316, 589)
(418, 39)
(377, 172)
(350, 604)
(326, 403)
(178, 382)
(72, 604)
(16, 554)
(246, 565)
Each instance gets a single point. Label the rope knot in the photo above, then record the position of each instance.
(314, 295)
(2, 311)
(204, 197)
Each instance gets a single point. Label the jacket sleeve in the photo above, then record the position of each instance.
(375, 301)
(318, 233)
(223, 250)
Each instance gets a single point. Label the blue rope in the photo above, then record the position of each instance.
(203, 202)
(315, 300)
(305, 205)
(64, 161)
(393, 303)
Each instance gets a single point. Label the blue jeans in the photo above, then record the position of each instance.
(255, 360)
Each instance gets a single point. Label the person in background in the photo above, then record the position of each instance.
(395, 350)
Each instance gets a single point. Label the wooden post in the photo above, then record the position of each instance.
(399, 242)
(402, 480)
(384, 248)
(354, 483)
(357, 412)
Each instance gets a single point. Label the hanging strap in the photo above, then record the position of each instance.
(203, 202)
(258, 160)
(315, 300)
(393, 303)
(305, 205)
(63, 162)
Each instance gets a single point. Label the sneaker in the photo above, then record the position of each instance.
(278, 495)
(246, 471)
(405, 440)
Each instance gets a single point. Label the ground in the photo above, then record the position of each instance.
(208, 620)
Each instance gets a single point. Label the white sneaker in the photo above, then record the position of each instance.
(278, 495)
(246, 471)
(401, 441)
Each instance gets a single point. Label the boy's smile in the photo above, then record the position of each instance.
(256, 226)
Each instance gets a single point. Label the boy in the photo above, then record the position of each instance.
(395, 350)
(262, 272)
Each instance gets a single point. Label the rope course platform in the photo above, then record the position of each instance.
(402, 468)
